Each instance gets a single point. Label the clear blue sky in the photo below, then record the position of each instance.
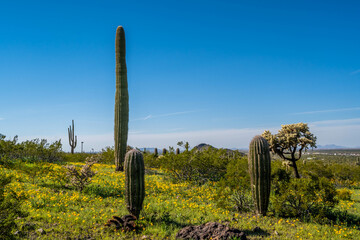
(203, 71)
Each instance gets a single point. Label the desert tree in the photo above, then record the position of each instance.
(291, 142)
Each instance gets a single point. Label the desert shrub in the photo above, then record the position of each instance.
(40, 150)
(107, 155)
(280, 178)
(151, 160)
(196, 166)
(30, 151)
(78, 177)
(305, 198)
(343, 174)
(233, 190)
(9, 149)
(10, 209)
(242, 200)
(344, 194)
(318, 168)
(341, 217)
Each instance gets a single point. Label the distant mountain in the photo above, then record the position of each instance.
(204, 146)
(330, 146)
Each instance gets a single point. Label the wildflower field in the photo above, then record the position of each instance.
(58, 212)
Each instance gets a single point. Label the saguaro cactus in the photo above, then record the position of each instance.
(134, 181)
(121, 100)
(164, 151)
(156, 152)
(260, 173)
(177, 151)
(72, 137)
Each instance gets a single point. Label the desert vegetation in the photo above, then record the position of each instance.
(198, 193)
(42, 199)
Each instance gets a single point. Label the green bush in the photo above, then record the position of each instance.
(198, 166)
(342, 173)
(40, 150)
(233, 190)
(10, 209)
(9, 149)
(107, 155)
(151, 160)
(30, 151)
(318, 168)
(307, 198)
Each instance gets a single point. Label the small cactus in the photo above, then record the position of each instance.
(260, 173)
(177, 151)
(72, 137)
(155, 152)
(134, 182)
(164, 151)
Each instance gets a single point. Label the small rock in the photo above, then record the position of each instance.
(145, 237)
(211, 230)
(276, 233)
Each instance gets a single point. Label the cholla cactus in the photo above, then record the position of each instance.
(80, 178)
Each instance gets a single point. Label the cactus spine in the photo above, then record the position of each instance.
(260, 173)
(121, 100)
(72, 137)
(134, 182)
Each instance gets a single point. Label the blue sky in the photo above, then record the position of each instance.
(201, 71)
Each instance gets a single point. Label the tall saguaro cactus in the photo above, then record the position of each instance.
(260, 173)
(121, 100)
(134, 181)
(72, 137)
